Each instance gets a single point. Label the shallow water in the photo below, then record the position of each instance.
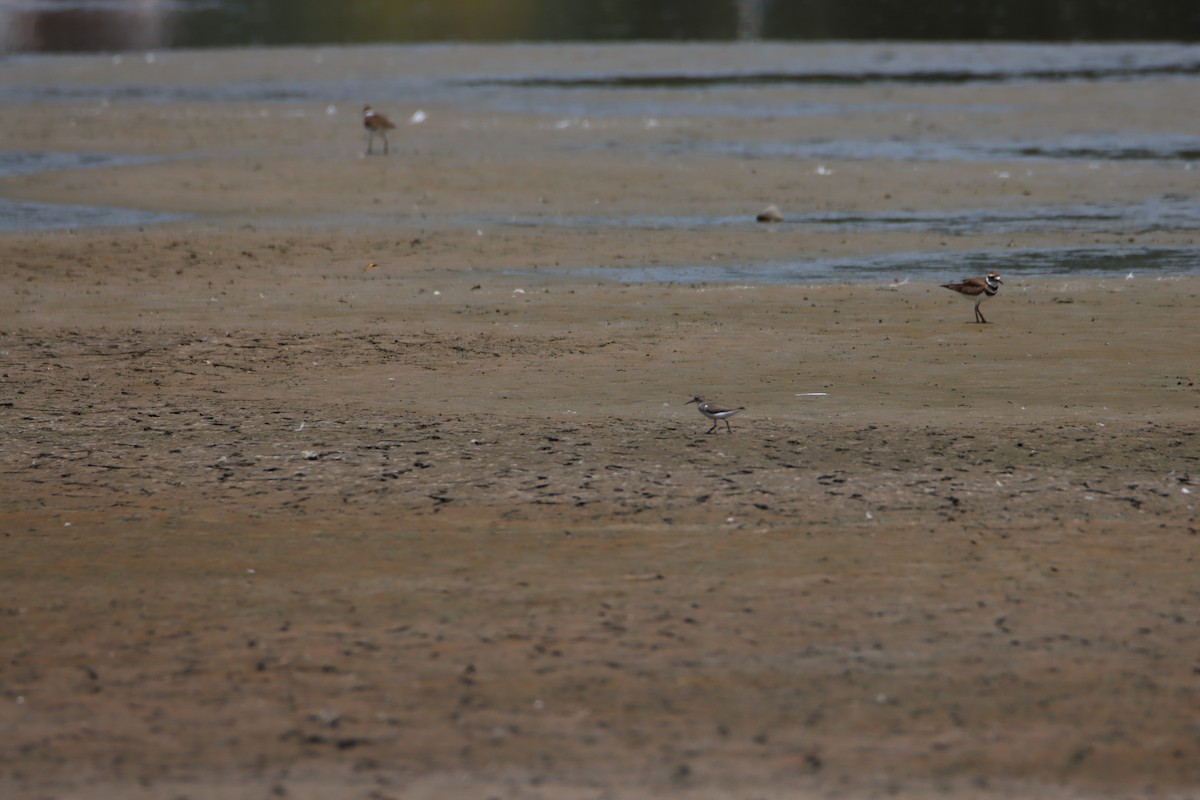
(1131, 146)
(26, 163)
(1169, 213)
(896, 269)
(658, 84)
(621, 79)
(24, 216)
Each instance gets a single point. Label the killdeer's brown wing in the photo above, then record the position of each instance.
(968, 286)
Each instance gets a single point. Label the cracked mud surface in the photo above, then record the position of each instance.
(226, 576)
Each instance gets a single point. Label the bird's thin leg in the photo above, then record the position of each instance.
(727, 426)
(982, 318)
(713, 428)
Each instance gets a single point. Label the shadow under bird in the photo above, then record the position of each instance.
(976, 290)
(376, 124)
(715, 412)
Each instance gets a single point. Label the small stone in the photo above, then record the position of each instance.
(770, 214)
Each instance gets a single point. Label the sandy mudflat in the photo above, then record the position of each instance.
(276, 524)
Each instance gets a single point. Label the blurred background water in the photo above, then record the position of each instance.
(106, 25)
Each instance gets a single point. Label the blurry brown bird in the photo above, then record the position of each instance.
(376, 124)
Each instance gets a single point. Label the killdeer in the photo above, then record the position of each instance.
(376, 124)
(715, 412)
(976, 290)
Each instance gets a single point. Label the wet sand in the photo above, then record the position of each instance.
(277, 524)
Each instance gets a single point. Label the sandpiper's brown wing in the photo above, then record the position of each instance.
(374, 121)
(712, 408)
